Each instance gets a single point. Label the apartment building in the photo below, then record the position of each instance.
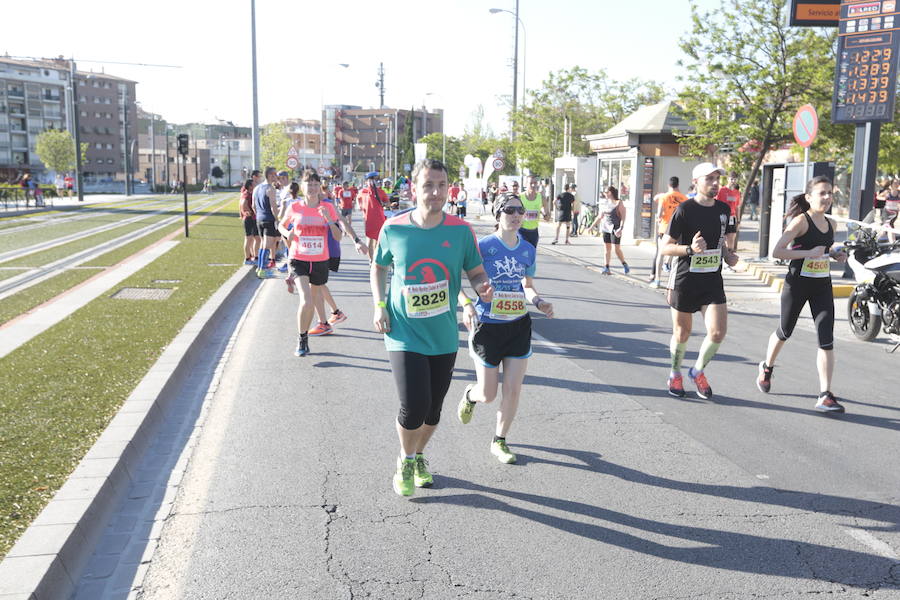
(365, 139)
(33, 98)
(35, 95)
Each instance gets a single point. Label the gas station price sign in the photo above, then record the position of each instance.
(865, 83)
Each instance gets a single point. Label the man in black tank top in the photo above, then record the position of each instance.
(696, 238)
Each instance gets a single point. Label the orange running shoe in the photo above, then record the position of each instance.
(676, 385)
(321, 329)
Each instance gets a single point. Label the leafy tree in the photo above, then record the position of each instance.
(56, 149)
(455, 154)
(407, 148)
(274, 144)
(217, 172)
(593, 103)
(748, 74)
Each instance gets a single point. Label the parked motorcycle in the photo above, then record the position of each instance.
(875, 303)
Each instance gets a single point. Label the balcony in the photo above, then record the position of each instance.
(15, 93)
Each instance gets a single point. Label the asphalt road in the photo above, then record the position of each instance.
(620, 490)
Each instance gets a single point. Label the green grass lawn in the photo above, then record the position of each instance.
(67, 249)
(59, 391)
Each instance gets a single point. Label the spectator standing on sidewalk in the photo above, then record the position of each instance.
(248, 216)
(753, 201)
(462, 201)
(611, 218)
(576, 208)
(665, 208)
(564, 204)
(265, 205)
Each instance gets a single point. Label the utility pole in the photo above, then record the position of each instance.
(515, 74)
(152, 153)
(255, 100)
(76, 127)
(125, 145)
(380, 84)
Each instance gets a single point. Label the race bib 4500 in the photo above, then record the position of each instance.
(818, 268)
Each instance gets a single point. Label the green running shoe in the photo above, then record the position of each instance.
(421, 477)
(501, 451)
(403, 478)
(466, 407)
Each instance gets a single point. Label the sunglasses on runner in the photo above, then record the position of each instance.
(513, 210)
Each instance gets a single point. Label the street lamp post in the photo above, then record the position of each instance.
(255, 99)
(516, 59)
(76, 133)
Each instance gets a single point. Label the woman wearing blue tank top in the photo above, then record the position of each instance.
(500, 330)
(807, 243)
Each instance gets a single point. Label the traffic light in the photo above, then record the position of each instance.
(183, 144)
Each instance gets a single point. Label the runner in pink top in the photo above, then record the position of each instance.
(305, 225)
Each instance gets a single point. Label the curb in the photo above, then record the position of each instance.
(47, 560)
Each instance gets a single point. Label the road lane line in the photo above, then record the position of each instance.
(542, 341)
(872, 542)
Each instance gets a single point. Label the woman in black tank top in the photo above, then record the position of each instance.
(807, 243)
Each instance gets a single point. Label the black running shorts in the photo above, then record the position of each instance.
(250, 229)
(316, 271)
(334, 263)
(490, 343)
(267, 228)
(609, 238)
(690, 299)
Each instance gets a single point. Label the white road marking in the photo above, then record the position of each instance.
(762, 476)
(545, 342)
(873, 542)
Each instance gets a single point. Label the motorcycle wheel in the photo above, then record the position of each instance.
(862, 323)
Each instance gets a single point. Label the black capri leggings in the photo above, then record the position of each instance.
(821, 305)
(422, 382)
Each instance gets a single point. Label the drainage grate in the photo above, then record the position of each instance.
(143, 293)
(166, 281)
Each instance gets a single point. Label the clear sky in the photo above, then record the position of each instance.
(455, 50)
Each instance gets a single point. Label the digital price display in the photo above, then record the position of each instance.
(865, 82)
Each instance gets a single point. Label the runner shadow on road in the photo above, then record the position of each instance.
(740, 552)
(806, 410)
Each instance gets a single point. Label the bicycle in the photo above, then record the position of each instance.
(587, 216)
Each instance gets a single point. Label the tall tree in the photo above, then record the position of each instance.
(455, 154)
(56, 149)
(407, 148)
(274, 144)
(592, 102)
(748, 74)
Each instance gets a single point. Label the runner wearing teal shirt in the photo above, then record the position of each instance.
(428, 251)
